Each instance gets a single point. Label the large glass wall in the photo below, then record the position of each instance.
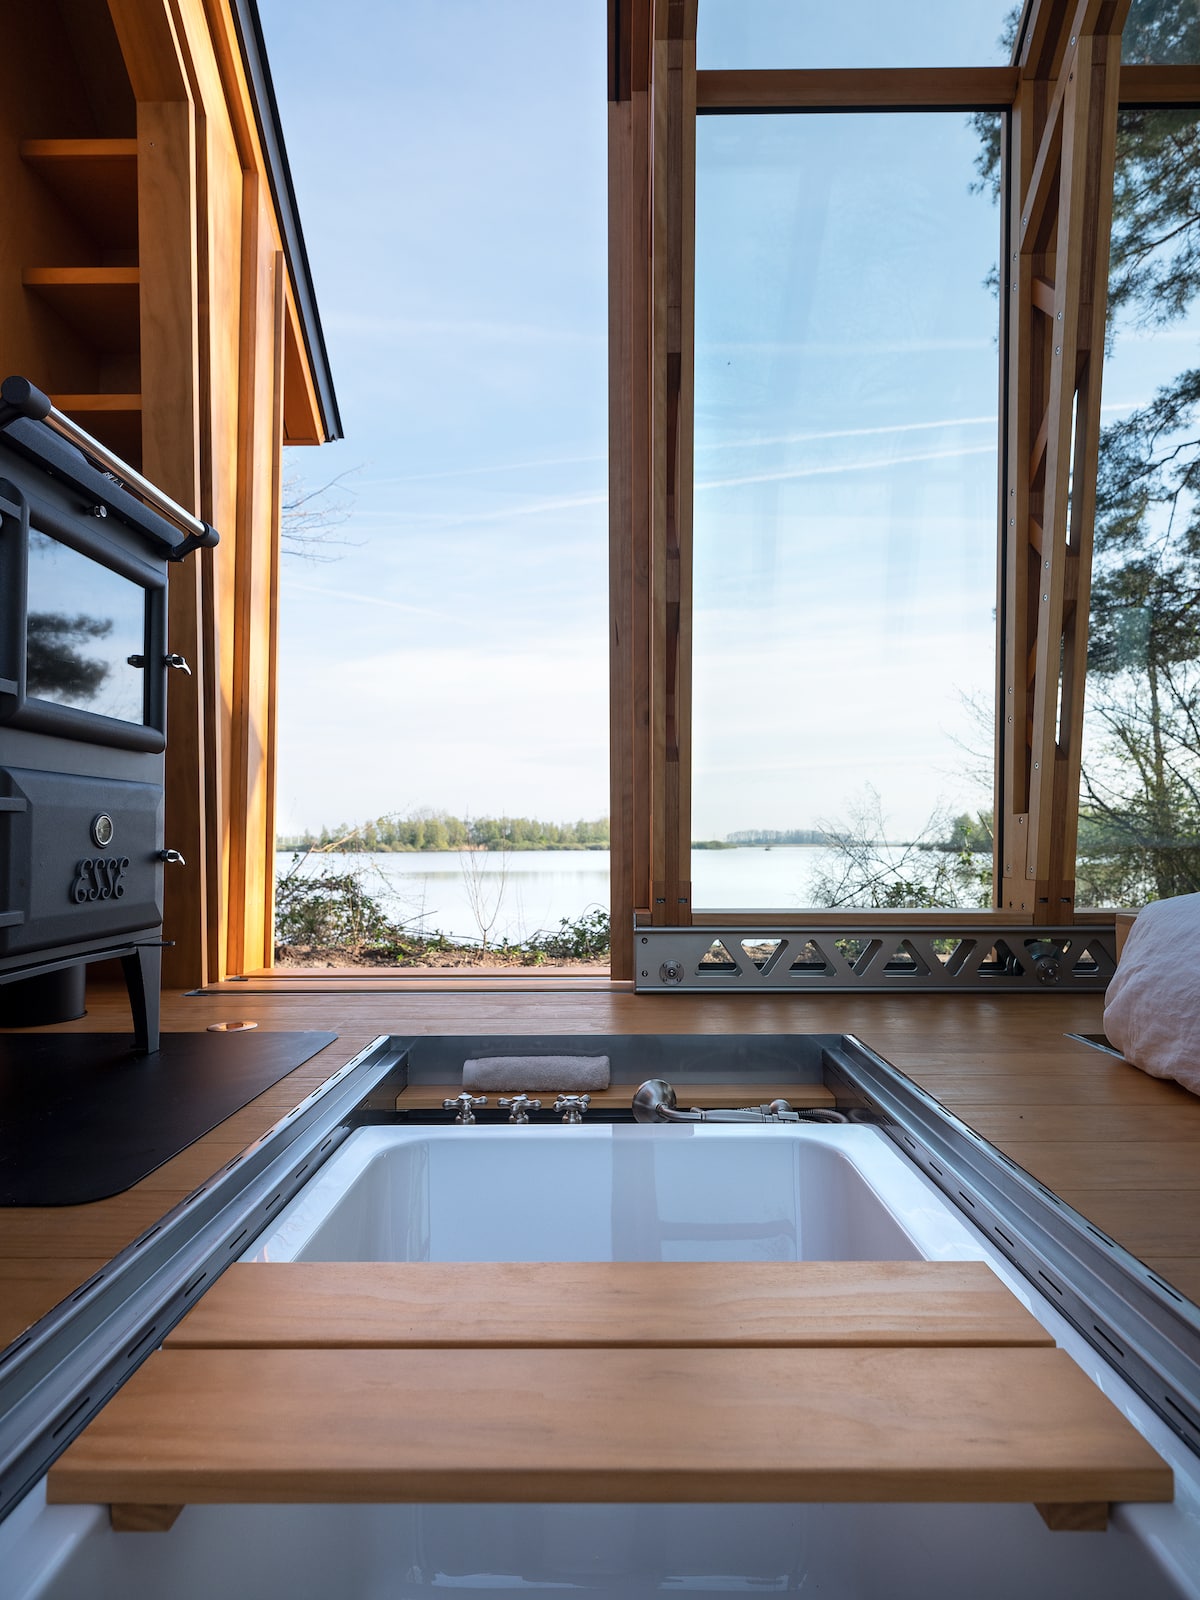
(845, 511)
(443, 704)
(874, 33)
(1162, 32)
(1139, 825)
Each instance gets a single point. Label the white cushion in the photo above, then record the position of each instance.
(1152, 1008)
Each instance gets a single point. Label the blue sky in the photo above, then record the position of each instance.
(449, 159)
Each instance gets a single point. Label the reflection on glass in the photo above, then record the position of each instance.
(877, 33)
(1162, 32)
(84, 622)
(1139, 822)
(845, 512)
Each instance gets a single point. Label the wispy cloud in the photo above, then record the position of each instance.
(456, 519)
(291, 584)
(493, 330)
(479, 472)
(848, 433)
(843, 467)
(833, 347)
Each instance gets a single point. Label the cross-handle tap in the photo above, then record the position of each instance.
(572, 1106)
(519, 1106)
(465, 1104)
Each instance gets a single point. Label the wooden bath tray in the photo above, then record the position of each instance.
(220, 1426)
(538, 1304)
(902, 1382)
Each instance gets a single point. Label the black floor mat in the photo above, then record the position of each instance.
(82, 1117)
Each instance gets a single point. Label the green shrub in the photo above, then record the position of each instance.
(331, 910)
(585, 939)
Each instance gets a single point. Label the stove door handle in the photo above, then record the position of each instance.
(172, 858)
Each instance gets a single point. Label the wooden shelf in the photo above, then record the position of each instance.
(114, 419)
(100, 303)
(96, 179)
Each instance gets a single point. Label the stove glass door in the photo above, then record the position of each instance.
(86, 633)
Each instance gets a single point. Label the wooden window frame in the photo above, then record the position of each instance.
(1060, 95)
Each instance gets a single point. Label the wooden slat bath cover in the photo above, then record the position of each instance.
(604, 1425)
(310, 1305)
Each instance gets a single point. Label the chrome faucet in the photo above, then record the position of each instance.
(572, 1106)
(465, 1104)
(519, 1107)
(655, 1102)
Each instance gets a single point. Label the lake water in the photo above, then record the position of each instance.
(523, 891)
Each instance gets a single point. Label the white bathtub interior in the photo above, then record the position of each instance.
(623, 1193)
(615, 1193)
(873, 1552)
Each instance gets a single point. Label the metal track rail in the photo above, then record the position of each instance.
(55, 1379)
(1001, 959)
(1146, 1330)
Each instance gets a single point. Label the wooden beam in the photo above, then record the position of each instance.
(251, 861)
(1040, 38)
(150, 47)
(1059, 177)
(170, 360)
(859, 89)
(1154, 86)
(673, 198)
(629, 486)
(767, 89)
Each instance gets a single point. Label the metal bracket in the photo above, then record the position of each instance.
(1006, 957)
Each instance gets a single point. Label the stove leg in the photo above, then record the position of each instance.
(143, 979)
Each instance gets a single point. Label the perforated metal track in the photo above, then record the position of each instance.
(1001, 958)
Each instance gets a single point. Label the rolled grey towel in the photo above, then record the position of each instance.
(509, 1074)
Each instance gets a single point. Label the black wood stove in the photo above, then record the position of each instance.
(84, 545)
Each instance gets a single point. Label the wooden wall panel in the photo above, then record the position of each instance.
(252, 757)
(171, 458)
(302, 416)
(219, 238)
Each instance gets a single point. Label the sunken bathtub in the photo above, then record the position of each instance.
(703, 1193)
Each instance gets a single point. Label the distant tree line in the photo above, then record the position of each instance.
(784, 836)
(438, 830)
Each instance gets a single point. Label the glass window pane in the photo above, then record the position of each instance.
(1162, 32)
(792, 33)
(1139, 825)
(845, 511)
(84, 622)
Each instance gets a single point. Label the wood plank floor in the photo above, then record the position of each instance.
(1083, 1123)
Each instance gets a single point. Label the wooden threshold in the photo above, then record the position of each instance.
(613, 1304)
(580, 1426)
(367, 980)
